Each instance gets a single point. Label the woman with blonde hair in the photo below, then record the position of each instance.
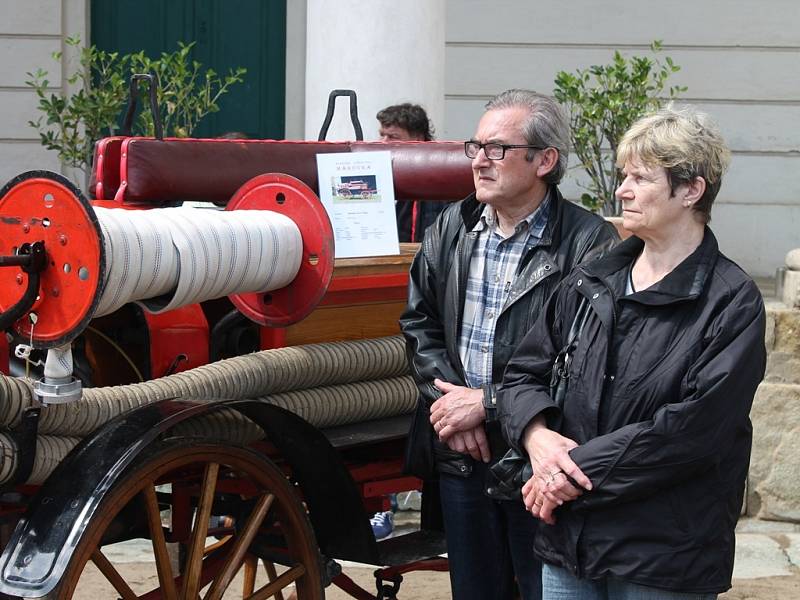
(639, 473)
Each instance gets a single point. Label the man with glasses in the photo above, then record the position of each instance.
(477, 284)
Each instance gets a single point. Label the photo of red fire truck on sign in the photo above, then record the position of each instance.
(351, 187)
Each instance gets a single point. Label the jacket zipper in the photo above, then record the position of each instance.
(549, 272)
(610, 369)
(460, 253)
(608, 380)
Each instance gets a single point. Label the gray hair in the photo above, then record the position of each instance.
(547, 126)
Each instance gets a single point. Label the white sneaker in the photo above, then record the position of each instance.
(382, 524)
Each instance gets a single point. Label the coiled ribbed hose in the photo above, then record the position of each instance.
(250, 376)
(50, 451)
(326, 384)
(322, 407)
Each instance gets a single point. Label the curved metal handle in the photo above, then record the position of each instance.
(323, 133)
(33, 260)
(133, 95)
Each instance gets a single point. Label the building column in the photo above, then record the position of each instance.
(387, 51)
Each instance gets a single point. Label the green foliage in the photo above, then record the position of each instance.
(187, 93)
(72, 123)
(603, 101)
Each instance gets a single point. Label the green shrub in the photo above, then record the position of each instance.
(71, 124)
(603, 101)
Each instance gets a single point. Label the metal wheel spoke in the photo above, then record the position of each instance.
(163, 565)
(240, 547)
(280, 583)
(113, 576)
(194, 561)
(272, 574)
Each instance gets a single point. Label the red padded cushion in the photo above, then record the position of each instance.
(105, 168)
(145, 170)
(212, 170)
(426, 170)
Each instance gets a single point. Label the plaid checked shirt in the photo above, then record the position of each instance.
(493, 268)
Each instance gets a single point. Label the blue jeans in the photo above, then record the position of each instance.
(560, 584)
(488, 542)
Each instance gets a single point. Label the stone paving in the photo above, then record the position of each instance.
(767, 563)
(766, 549)
(763, 548)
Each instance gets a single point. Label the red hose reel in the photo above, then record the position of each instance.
(291, 197)
(40, 206)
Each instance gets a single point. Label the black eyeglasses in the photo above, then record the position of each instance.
(493, 150)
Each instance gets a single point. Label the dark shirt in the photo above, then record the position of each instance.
(414, 217)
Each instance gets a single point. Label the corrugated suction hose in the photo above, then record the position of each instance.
(327, 384)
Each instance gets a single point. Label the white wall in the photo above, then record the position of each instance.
(739, 59)
(295, 113)
(30, 32)
(387, 51)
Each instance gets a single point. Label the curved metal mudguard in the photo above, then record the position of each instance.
(45, 538)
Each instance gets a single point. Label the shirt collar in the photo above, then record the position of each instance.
(535, 222)
(685, 281)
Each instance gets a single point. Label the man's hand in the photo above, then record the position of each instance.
(551, 462)
(472, 442)
(459, 409)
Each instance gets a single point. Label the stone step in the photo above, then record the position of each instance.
(773, 487)
(783, 344)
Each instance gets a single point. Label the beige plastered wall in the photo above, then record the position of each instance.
(740, 61)
(30, 32)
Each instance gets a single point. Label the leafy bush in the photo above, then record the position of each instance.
(71, 124)
(603, 101)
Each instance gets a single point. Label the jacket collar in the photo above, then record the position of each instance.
(684, 282)
(471, 210)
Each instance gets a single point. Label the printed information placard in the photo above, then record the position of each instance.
(357, 190)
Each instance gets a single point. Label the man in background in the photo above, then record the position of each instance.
(403, 123)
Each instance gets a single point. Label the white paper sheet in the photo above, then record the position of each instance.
(357, 190)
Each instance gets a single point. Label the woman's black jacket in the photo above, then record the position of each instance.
(660, 390)
(431, 322)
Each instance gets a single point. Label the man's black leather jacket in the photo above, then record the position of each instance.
(431, 322)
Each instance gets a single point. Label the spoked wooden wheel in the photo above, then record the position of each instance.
(195, 484)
